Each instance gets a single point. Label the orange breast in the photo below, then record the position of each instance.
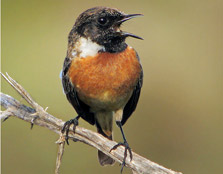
(106, 76)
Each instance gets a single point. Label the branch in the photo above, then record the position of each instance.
(38, 116)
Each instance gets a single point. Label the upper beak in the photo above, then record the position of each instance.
(126, 18)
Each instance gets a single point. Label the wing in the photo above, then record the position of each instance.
(132, 103)
(81, 108)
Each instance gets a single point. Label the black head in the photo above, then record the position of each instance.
(102, 25)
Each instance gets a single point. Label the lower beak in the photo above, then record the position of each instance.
(125, 34)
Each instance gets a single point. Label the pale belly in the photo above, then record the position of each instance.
(105, 101)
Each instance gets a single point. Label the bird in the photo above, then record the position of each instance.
(102, 75)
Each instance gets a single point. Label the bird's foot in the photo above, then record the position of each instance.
(67, 125)
(127, 149)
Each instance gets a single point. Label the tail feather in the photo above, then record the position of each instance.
(103, 158)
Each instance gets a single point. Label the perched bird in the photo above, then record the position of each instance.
(102, 75)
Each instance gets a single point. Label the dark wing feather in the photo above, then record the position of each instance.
(132, 103)
(81, 108)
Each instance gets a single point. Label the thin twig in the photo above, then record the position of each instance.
(61, 144)
(38, 116)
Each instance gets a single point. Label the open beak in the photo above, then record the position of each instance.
(126, 18)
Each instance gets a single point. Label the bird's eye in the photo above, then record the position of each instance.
(102, 20)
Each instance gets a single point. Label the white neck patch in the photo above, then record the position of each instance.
(88, 48)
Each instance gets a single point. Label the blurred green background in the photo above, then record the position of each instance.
(179, 118)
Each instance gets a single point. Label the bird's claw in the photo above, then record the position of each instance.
(127, 148)
(66, 127)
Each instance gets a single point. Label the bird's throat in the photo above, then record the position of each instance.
(85, 47)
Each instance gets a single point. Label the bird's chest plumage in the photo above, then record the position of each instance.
(106, 79)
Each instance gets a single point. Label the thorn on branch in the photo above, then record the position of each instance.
(4, 119)
(46, 109)
(5, 115)
(33, 120)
